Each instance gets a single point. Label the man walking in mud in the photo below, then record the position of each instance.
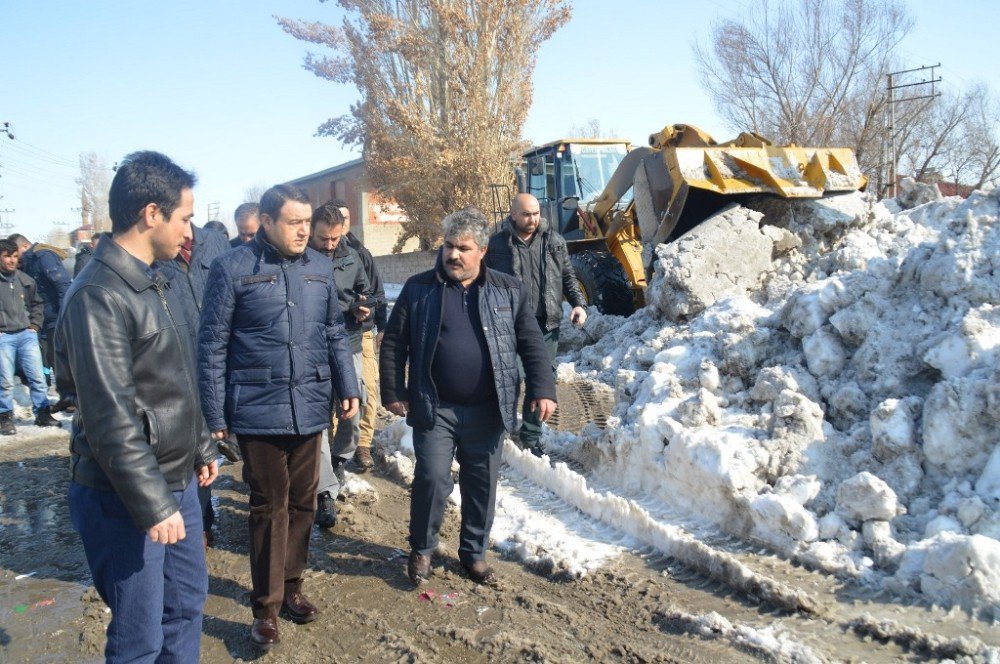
(459, 330)
(272, 350)
(139, 441)
(531, 250)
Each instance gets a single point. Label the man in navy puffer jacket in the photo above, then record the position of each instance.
(273, 351)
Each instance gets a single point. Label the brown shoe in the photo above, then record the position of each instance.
(264, 632)
(363, 457)
(418, 568)
(481, 573)
(298, 609)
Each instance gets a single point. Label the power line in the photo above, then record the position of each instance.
(917, 94)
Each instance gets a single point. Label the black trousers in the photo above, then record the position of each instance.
(473, 435)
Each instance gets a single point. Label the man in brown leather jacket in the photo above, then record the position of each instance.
(139, 446)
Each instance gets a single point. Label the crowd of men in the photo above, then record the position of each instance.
(172, 344)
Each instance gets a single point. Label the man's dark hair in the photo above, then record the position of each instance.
(143, 178)
(8, 247)
(17, 239)
(328, 213)
(245, 210)
(275, 198)
(218, 227)
(339, 202)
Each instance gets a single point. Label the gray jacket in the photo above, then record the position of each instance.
(557, 277)
(21, 306)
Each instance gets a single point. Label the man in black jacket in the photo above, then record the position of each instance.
(326, 236)
(247, 222)
(373, 328)
(139, 447)
(461, 328)
(529, 249)
(21, 315)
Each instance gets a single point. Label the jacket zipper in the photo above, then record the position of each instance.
(187, 370)
(291, 353)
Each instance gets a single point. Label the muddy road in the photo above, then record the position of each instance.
(643, 607)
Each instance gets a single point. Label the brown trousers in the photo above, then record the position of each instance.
(283, 473)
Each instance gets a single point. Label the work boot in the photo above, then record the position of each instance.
(418, 567)
(363, 457)
(43, 418)
(326, 511)
(7, 427)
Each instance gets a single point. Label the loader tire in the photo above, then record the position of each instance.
(603, 282)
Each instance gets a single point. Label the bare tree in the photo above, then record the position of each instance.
(810, 72)
(592, 129)
(445, 89)
(94, 183)
(253, 193)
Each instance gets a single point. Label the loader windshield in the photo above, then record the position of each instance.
(587, 169)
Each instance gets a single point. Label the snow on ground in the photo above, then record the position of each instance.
(825, 385)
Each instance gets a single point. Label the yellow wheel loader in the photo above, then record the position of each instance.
(608, 200)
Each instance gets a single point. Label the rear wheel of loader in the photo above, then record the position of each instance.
(603, 282)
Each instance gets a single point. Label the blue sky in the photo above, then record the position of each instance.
(220, 88)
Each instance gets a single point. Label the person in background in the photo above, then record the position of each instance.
(327, 237)
(138, 448)
(21, 316)
(44, 264)
(448, 363)
(247, 219)
(531, 250)
(372, 330)
(273, 350)
(218, 227)
(187, 274)
(84, 253)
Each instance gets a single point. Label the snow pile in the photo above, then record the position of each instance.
(829, 386)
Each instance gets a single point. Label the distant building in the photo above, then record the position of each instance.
(376, 221)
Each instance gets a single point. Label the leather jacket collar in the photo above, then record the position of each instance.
(127, 266)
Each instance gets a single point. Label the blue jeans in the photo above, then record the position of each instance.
(156, 592)
(21, 349)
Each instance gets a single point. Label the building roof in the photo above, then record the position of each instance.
(346, 166)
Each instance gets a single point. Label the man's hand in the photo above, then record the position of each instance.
(400, 408)
(578, 316)
(361, 313)
(378, 340)
(168, 531)
(220, 434)
(349, 408)
(544, 407)
(207, 474)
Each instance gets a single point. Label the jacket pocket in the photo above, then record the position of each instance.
(150, 428)
(251, 375)
(259, 279)
(323, 372)
(317, 277)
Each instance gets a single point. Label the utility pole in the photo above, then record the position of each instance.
(891, 110)
(5, 225)
(211, 211)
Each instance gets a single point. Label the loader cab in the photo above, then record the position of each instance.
(571, 168)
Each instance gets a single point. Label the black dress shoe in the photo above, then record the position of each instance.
(298, 609)
(264, 632)
(418, 567)
(481, 573)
